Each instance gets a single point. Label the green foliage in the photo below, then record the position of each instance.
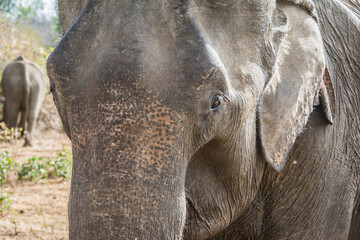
(7, 5)
(5, 202)
(35, 169)
(57, 26)
(20, 10)
(8, 134)
(39, 168)
(6, 165)
(62, 165)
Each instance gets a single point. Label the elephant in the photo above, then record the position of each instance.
(210, 119)
(23, 85)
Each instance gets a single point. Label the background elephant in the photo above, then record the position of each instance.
(210, 119)
(23, 85)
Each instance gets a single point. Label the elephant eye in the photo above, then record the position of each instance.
(216, 102)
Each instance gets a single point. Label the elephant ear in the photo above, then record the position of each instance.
(326, 97)
(295, 85)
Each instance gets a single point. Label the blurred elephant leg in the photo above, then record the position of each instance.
(33, 107)
(11, 111)
(22, 122)
(29, 131)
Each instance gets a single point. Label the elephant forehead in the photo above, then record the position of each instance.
(170, 51)
(163, 47)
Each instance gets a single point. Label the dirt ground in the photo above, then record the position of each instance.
(38, 210)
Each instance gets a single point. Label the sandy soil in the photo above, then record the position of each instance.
(38, 210)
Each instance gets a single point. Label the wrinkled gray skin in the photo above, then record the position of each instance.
(137, 86)
(23, 85)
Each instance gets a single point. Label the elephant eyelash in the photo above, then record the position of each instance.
(52, 87)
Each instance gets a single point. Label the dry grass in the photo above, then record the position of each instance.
(18, 38)
(39, 210)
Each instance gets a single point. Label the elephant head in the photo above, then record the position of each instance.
(174, 107)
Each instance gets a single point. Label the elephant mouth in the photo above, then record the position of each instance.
(191, 205)
(193, 213)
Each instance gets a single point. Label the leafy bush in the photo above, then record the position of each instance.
(8, 134)
(38, 168)
(34, 169)
(5, 202)
(62, 165)
(20, 11)
(6, 165)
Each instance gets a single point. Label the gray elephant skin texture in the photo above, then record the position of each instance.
(23, 85)
(210, 119)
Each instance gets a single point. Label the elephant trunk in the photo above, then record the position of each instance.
(128, 180)
(125, 203)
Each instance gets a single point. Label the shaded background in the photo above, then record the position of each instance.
(34, 181)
